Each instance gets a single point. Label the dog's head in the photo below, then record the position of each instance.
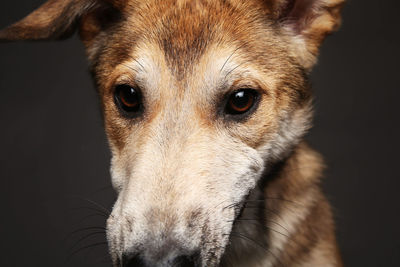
(200, 98)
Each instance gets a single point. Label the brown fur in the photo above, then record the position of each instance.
(187, 55)
(294, 186)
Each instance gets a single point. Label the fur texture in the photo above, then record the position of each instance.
(196, 185)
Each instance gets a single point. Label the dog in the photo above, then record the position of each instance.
(205, 103)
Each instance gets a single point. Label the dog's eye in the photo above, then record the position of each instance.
(128, 98)
(241, 101)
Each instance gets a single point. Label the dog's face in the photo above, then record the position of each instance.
(214, 101)
(200, 98)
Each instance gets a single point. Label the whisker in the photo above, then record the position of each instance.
(256, 220)
(89, 228)
(230, 56)
(220, 204)
(84, 229)
(99, 211)
(231, 205)
(229, 72)
(276, 213)
(289, 238)
(137, 61)
(276, 198)
(84, 238)
(86, 247)
(105, 210)
(129, 67)
(90, 216)
(236, 234)
(294, 203)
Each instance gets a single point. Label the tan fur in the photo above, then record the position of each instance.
(193, 181)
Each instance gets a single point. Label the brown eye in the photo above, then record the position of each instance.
(128, 98)
(241, 101)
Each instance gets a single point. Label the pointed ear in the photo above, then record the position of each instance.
(307, 23)
(55, 19)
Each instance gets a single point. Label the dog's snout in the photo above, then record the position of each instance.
(179, 261)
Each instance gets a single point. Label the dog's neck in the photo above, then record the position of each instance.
(289, 210)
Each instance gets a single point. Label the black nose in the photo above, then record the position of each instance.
(186, 261)
(181, 261)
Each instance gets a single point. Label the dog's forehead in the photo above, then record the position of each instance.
(217, 67)
(185, 37)
(184, 30)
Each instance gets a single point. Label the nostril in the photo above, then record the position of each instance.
(135, 260)
(186, 261)
(132, 261)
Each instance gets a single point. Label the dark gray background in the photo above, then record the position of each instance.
(54, 155)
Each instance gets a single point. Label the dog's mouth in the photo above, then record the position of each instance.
(216, 248)
(211, 253)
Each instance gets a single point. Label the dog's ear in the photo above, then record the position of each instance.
(55, 19)
(307, 23)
